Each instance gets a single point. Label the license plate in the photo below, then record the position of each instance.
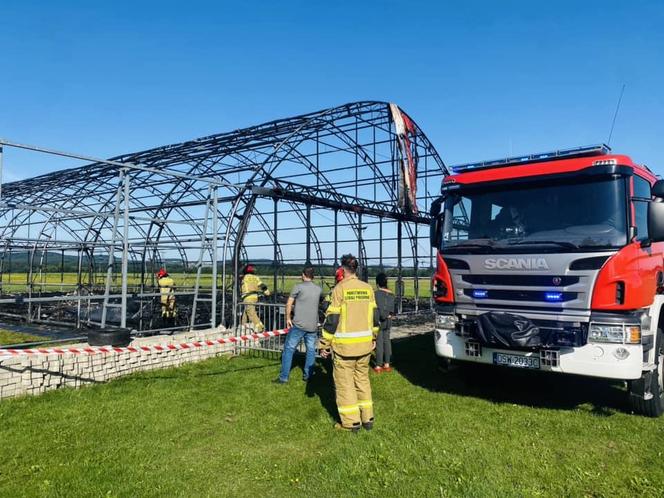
(516, 360)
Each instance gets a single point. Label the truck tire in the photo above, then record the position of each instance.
(109, 337)
(647, 393)
(446, 365)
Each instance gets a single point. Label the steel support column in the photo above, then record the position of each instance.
(111, 250)
(359, 237)
(1, 160)
(275, 247)
(125, 253)
(416, 266)
(308, 228)
(336, 238)
(399, 286)
(380, 243)
(79, 286)
(215, 230)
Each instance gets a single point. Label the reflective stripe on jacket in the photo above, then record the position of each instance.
(351, 319)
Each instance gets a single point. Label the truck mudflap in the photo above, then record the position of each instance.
(509, 331)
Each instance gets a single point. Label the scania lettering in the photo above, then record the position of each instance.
(554, 262)
(516, 264)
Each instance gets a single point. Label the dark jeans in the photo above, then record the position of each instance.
(293, 338)
(383, 346)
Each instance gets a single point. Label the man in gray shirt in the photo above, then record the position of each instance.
(304, 325)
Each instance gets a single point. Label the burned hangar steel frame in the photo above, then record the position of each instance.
(271, 194)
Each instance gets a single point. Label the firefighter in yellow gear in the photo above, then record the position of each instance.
(349, 331)
(338, 277)
(252, 287)
(167, 291)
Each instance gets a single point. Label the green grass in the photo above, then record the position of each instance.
(10, 337)
(287, 284)
(220, 428)
(54, 282)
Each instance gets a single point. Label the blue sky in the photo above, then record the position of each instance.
(482, 79)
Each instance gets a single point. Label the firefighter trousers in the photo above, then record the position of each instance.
(250, 315)
(168, 307)
(351, 381)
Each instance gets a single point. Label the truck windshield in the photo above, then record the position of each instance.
(560, 217)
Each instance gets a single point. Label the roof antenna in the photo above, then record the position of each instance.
(615, 115)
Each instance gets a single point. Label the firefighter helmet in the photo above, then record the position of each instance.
(249, 268)
(162, 273)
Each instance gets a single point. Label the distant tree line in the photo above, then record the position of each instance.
(54, 262)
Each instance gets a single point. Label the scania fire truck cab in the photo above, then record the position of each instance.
(554, 262)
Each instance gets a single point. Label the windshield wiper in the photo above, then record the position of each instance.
(568, 245)
(469, 245)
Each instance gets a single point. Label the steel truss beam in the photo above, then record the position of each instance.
(310, 196)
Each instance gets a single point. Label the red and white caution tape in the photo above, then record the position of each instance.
(90, 350)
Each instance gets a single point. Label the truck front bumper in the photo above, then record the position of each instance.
(606, 360)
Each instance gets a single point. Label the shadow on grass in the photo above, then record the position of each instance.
(322, 385)
(179, 374)
(417, 362)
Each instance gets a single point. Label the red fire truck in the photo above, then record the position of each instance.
(554, 262)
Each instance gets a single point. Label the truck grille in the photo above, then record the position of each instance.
(521, 295)
(480, 285)
(522, 280)
(552, 334)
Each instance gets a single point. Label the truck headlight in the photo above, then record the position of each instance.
(617, 333)
(446, 321)
(439, 288)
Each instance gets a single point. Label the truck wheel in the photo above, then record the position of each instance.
(109, 337)
(647, 393)
(444, 365)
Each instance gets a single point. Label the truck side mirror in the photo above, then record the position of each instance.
(657, 189)
(436, 205)
(436, 222)
(656, 220)
(434, 231)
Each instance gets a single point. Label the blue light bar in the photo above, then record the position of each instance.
(590, 150)
(480, 293)
(553, 297)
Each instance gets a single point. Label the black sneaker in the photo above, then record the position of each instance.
(367, 426)
(279, 381)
